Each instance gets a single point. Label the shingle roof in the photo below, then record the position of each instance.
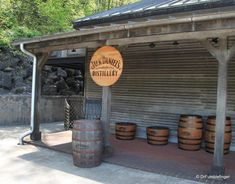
(149, 8)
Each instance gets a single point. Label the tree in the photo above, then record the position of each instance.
(27, 18)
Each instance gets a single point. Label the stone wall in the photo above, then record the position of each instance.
(61, 81)
(16, 76)
(15, 72)
(15, 109)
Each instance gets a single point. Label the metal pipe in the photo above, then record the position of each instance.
(33, 94)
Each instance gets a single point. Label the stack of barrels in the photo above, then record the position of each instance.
(190, 133)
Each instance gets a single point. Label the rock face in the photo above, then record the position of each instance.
(61, 81)
(6, 80)
(13, 72)
(16, 76)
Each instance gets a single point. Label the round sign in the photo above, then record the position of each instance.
(106, 66)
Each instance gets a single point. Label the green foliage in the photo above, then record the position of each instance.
(28, 18)
(55, 15)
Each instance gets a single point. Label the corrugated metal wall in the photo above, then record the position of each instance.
(158, 84)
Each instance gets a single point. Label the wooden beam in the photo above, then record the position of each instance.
(200, 35)
(43, 59)
(68, 46)
(213, 51)
(218, 162)
(105, 118)
(222, 53)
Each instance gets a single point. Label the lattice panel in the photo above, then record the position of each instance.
(73, 110)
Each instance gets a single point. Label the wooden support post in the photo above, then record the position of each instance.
(218, 163)
(36, 134)
(223, 55)
(105, 118)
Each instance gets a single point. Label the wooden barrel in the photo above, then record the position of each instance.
(87, 143)
(210, 134)
(157, 135)
(190, 132)
(125, 131)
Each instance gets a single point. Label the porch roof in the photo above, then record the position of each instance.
(213, 22)
(210, 23)
(148, 8)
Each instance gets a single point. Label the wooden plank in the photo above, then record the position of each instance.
(218, 163)
(59, 47)
(200, 35)
(43, 59)
(105, 118)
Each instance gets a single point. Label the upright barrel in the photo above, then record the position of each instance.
(190, 132)
(87, 143)
(125, 130)
(157, 135)
(210, 134)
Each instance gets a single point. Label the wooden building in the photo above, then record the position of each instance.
(178, 59)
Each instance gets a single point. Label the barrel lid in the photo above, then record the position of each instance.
(158, 127)
(125, 123)
(190, 116)
(214, 117)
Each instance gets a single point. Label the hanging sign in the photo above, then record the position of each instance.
(106, 66)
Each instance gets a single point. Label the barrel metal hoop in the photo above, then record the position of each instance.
(157, 144)
(155, 128)
(228, 143)
(180, 126)
(212, 124)
(214, 131)
(124, 138)
(156, 140)
(87, 152)
(125, 131)
(189, 149)
(89, 130)
(185, 121)
(188, 138)
(158, 135)
(124, 135)
(83, 140)
(189, 143)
